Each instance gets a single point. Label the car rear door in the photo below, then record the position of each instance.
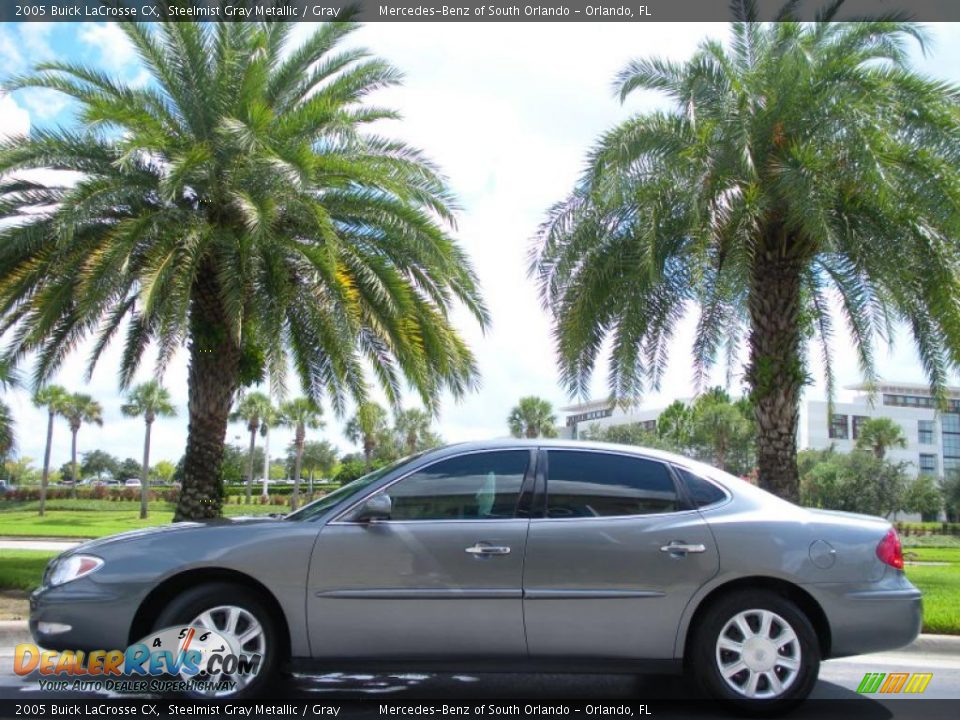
(614, 559)
(441, 578)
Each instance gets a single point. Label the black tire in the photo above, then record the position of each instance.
(192, 603)
(707, 655)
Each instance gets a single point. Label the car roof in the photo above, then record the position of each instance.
(558, 444)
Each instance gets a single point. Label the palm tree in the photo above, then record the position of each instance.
(675, 425)
(368, 427)
(801, 162)
(151, 400)
(54, 399)
(719, 430)
(250, 408)
(8, 379)
(300, 414)
(318, 456)
(237, 205)
(532, 417)
(880, 434)
(412, 427)
(79, 408)
(269, 416)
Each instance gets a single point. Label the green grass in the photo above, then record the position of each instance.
(914, 541)
(22, 569)
(92, 523)
(941, 596)
(934, 554)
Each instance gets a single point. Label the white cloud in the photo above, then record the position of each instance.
(113, 49)
(14, 120)
(43, 103)
(11, 58)
(35, 38)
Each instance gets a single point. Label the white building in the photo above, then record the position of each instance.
(601, 413)
(933, 437)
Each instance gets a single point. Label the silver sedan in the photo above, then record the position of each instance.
(506, 556)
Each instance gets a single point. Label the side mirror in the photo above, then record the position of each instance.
(375, 508)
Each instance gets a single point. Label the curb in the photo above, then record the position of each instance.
(934, 645)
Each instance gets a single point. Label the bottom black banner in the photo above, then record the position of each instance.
(858, 709)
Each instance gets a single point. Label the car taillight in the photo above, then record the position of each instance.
(889, 550)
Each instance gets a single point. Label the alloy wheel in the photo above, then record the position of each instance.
(758, 654)
(244, 635)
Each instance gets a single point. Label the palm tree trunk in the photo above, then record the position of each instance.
(310, 484)
(73, 462)
(266, 462)
(145, 473)
(368, 451)
(296, 470)
(213, 379)
(46, 464)
(775, 372)
(253, 447)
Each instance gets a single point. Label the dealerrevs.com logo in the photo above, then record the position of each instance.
(177, 659)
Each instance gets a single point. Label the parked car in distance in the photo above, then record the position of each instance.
(510, 555)
(132, 482)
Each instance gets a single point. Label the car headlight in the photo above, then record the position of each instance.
(72, 568)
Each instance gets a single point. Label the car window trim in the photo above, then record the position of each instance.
(531, 457)
(681, 493)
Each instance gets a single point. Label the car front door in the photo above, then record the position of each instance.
(441, 577)
(614, 560)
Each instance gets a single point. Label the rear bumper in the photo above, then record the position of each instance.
(870, 618)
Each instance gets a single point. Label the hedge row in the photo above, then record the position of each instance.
(98, 492)
(928, 528)
(275, 489)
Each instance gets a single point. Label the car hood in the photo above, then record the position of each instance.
(177, 527)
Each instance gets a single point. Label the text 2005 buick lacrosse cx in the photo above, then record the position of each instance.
(508, 556)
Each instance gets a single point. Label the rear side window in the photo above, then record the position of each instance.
(701, 492)
(588, 484)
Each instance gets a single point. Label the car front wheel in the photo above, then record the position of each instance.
(240, 618)
(756, 650)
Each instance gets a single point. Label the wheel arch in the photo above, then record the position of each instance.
(163, 593)
(796, 594)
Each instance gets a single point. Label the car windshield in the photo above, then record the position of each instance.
(319, 507)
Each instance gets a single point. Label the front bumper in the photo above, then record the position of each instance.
(871, 618)
(99, 617)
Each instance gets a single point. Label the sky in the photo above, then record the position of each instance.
(508, 110)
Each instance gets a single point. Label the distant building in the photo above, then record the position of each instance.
(582, 416)
(933, 437)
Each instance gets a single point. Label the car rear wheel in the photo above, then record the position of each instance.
(237, 615)
(756, 650)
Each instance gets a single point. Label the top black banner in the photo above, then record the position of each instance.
(472, 10)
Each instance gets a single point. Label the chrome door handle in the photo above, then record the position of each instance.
(481, 549)
(683, 548)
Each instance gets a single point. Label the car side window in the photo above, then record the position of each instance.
(591, 484)
(477, 486)
(701, 492)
